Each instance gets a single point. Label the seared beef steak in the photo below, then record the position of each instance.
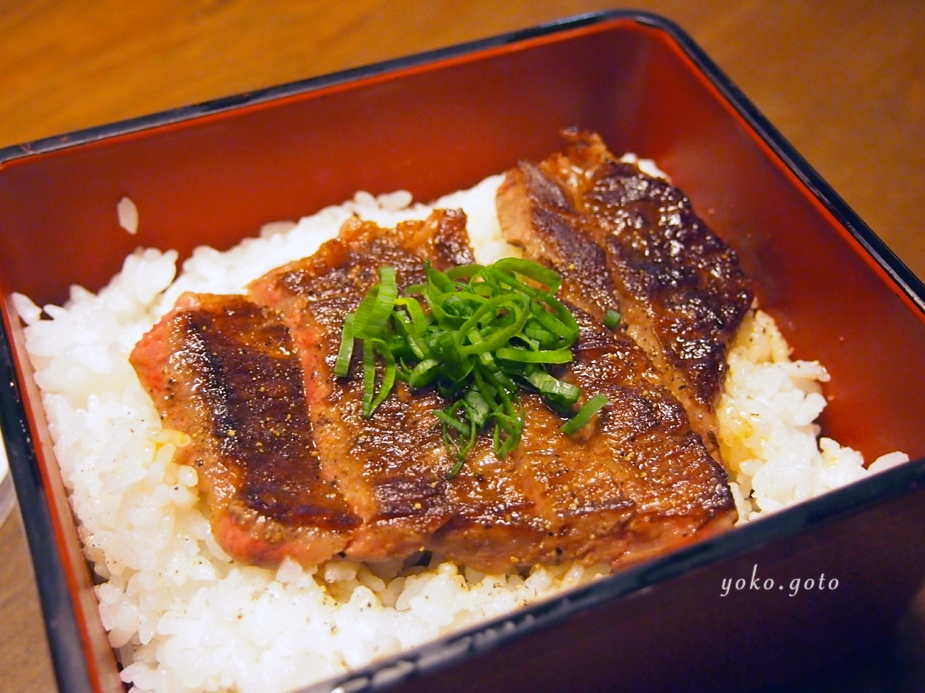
(224, 371)
(290, 465)
(617, 233)
(393, 466)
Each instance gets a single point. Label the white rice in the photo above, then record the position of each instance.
(183, 617)
(128, 215)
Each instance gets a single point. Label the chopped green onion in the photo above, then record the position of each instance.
(553, 389)
(590, 408)
(345, 353)
(533, 270)
(423, 373)
(487, 333)
(528, 356)
(612, 319)
(369, 378)
(375, 309)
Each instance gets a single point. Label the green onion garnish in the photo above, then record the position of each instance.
(590, 408)
(486, 333)
(612, 319)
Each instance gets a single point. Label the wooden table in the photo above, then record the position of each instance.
(844, 81)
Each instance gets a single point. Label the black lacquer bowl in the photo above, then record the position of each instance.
(433, 123)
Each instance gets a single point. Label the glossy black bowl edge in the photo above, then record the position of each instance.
(69, 658)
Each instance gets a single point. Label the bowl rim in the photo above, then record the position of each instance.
(910, 288)
(68, 648)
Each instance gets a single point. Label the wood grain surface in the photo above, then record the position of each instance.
(844, 81)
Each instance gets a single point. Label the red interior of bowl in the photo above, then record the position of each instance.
(441, 126)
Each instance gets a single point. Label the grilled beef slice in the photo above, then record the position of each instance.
(224, 371)
(393, 466)
(637, 480)
(679, 287)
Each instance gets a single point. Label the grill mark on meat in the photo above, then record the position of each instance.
(680, 289)
(224, 371)
(536, 215)
(494, 526)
